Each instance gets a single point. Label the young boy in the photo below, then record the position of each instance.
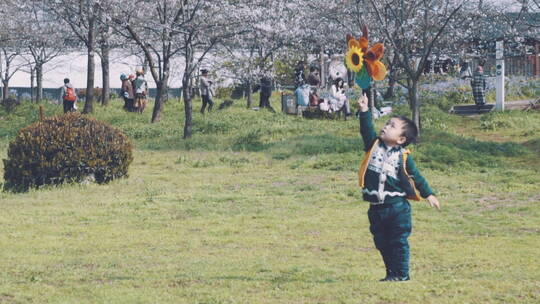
(388, 176)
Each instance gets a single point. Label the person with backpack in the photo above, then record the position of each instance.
(69, 97)
(127, 92)
(141, 91)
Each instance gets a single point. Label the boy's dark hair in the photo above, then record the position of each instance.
(66, 80)
(410, 131)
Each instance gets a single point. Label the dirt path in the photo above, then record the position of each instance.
(517, 104)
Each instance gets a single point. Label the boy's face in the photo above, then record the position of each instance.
(392, 133)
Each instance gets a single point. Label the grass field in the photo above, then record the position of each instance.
(264, 208)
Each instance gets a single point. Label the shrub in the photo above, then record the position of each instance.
(66, 148)
(10, 103)
(224, 92)
(250, 141)
(497, 120)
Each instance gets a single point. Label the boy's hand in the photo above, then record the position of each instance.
(434, 202)
(363, 103)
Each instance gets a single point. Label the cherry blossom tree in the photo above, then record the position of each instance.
(206, 25)
(166, 29)
(44, 40)
(11, 45)
(412, 28)
(81, 16)
(270, 29)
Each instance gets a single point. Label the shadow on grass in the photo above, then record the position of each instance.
(442, 150)
(280, 279)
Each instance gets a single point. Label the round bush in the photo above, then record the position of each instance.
(66, 148)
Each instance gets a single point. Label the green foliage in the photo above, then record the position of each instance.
(446, 151)
(21, 116)
(66, 148)
(433, 117)
(9, 104)
(199, 209)
(284, 68)
(497, 120)
(224, 92)
(249, 141)
(521, 88)
(446, 99)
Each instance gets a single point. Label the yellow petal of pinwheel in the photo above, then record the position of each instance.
(353, 43)
(354, 59)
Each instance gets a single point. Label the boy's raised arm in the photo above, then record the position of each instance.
(367, 131)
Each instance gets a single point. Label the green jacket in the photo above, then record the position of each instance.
(387, 175)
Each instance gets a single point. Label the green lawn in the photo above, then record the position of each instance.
(264, 208)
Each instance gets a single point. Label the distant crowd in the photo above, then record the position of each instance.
(134, 91)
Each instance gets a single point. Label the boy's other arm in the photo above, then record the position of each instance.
(421, 184)
(367, 131)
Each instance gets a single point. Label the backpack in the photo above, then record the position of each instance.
(70, 94)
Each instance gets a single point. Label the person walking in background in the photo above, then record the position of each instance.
(141, 91)
(266, 93)
(207, 92)
(478, 84)
(127, 93)
(68, 95)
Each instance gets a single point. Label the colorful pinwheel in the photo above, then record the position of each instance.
(363, 60)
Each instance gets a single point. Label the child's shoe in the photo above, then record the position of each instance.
(389, 274)
(396, 279)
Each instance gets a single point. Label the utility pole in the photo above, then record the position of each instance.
(499, 82)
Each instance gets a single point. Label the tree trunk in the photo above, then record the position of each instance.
(188, 108)
(392, 78)
(32, 88)
(415, 105)
(186, 86)
(105, 73)
(162, 88)
(249, 92)
(5, 89)
(39, 82)
(156, 113)
(263, 99)
(161, 97)
(390, 91)
(91, 66)
(323, 68)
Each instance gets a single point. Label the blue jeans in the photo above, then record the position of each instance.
(391, 225)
